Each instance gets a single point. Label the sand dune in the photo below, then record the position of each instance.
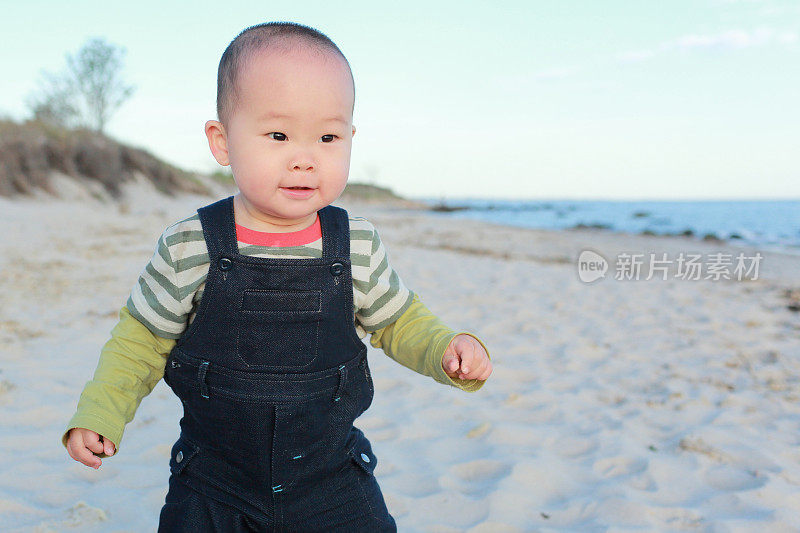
(651, 405)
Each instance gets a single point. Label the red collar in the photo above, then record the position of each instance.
(292, 238)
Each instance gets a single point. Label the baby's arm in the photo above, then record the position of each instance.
(418, 340)
(131, 364)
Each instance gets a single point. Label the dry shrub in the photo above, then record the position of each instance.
(31, 151)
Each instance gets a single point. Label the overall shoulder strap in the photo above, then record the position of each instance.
(219, 228)
(335, 227)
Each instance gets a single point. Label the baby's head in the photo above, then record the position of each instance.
(285, 99)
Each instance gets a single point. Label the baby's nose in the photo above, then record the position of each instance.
(302, 162)
(303, 166)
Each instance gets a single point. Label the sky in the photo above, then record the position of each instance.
(559, 99)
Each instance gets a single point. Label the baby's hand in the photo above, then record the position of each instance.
(84, 443)
(465, 358)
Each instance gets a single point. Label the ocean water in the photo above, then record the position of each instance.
(768, 224)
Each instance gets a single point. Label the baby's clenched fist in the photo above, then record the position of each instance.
(82, 444)
(465, 358)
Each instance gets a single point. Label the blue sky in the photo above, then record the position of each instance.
(537, 99)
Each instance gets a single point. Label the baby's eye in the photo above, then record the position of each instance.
(328, 138)
(279, 136)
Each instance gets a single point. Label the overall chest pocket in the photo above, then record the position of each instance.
(279, 329)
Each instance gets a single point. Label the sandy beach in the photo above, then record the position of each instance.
(619, 405)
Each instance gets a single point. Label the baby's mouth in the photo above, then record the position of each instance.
(298, 192)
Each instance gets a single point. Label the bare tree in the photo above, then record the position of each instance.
(96, 73)
(88, 92)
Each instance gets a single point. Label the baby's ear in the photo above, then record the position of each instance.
(217, 141)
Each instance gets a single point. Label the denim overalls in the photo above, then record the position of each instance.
(272, 374)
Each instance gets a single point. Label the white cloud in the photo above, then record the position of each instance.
(728, 40)
(731, 39)
(783, 11)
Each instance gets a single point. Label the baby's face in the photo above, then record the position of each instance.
(290, 135)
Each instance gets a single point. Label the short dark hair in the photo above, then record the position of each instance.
(284, 36)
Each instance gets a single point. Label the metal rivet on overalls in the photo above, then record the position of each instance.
(365, 457)
(337, 268)
(179, 457)
(225, 264)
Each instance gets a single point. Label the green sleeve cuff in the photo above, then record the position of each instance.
(467, 385)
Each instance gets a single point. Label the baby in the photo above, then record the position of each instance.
(254, 310)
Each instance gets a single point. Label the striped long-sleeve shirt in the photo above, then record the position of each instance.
(169, 288)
